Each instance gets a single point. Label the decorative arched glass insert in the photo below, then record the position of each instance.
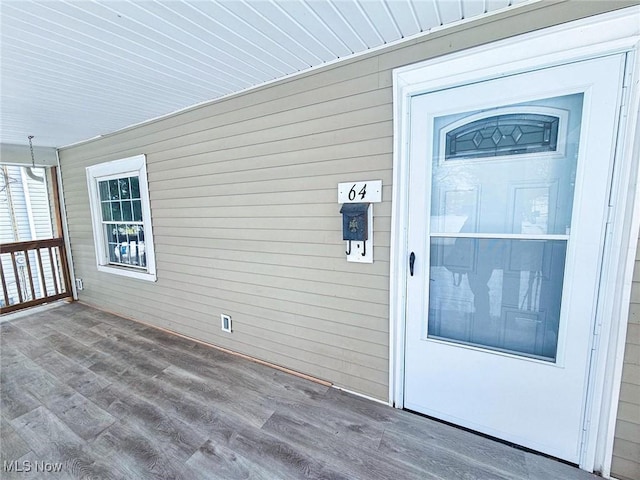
(507, 134)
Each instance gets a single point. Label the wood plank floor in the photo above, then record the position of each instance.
(108, 398)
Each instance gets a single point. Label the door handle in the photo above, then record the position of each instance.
(412, 260)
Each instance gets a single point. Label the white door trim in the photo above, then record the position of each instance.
(596, 36)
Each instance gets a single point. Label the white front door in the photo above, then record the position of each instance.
(509, 185)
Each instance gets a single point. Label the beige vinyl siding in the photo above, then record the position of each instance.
(626, 448)
(245, 215)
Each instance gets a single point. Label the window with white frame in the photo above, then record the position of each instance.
(121, 216)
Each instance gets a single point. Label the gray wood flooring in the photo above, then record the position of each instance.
(109, 398)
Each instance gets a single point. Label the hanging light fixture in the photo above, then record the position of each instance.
(33, 158)
(30, 170)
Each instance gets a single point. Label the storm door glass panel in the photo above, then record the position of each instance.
(501, 204)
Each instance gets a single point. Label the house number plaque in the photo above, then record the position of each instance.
(369, 191)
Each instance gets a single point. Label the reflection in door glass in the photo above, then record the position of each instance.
(502, 187)
(515, 190)
(499, 294)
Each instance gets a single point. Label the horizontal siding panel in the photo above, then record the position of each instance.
(318, 182)
(301, 130)
(305, 171)
(342, 358)
(627, 450)
(183, 264)
(284, 224)
(214, 164)
(628, 431)
(629, 411)
(635, 295)
(326, 196)
(633, 334)
(630, 393)
(200, 307)
(311, 299)
(334, 331)
(631, 374)
(632, 354)
(636, 271)
(293, 285)
(625, 469)
(86, 232)
(301, 236)
(171, 208)
(219, 199)
(361, 326)
(253, 157)
(283, 117)
(634, 310)
(199, 218)
(371, 129)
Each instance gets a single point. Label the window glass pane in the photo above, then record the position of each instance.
(497, 294)
(138, 248)
(106, 212)
(114, 190)
(122, 252)
(126, 244)
(113, 249)
(111, 232)
(125, 191)
(135, 187)
(120, 233)
(104, 190)
(137, 211)
(142, 256)
(116, 213)
(136, 233)
(127, 213)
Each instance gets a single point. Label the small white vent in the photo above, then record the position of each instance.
(225, 322)
(79, 284)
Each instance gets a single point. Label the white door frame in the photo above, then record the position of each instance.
(605, 34)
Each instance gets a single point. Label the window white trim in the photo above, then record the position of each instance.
(131, 166)
(600, 35)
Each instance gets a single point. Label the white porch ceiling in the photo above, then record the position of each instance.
(73, 70)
